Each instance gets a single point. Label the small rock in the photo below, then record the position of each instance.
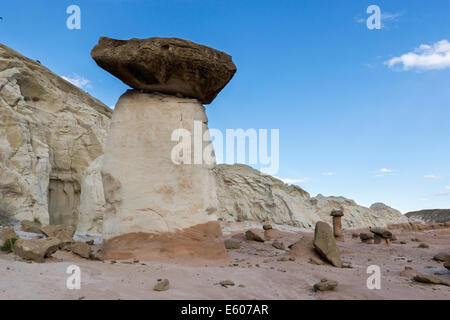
(267, 227)
(429, 279)
(226, 283)
(232, 244)
(316, 261)
(442, 257)
(162, 285)
(423, 246)
(325, 285)
(278, 245)
(30, 226)
(347, 265)
(90, 242)
(447, 265)
(253, 236)
(402, 242)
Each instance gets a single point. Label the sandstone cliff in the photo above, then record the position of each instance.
(436, 215)
(247, 194)
(50, 132)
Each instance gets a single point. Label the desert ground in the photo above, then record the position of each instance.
(255, 269)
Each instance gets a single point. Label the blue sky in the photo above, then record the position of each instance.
(349, 123)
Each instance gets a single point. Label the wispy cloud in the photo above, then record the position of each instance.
(383, 172)
(447, 187)
(425, 57)
(293, 181)
(78, 81)
(442, 194)
(328, 174)
(431, 176)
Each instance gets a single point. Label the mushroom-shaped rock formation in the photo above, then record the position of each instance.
(381, 235)
(157, 169)
(167, 65)
(337, 224)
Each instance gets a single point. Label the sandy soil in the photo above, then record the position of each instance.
(255, 266)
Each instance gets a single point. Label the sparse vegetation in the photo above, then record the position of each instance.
(8, 245)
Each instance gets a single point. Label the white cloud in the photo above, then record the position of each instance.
(328, 174)
(430, 176)
(425, 57)
(442, 194)
(293, 181)
(386, 170)
(447, 187)
(78, 81)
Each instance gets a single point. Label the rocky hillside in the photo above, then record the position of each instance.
(247, 194)
(50, 132)
(436, 215)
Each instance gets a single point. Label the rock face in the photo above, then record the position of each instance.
(50, 132)
(437, 215)
(246, 194)
(151, 201)
(325, 244)
(92, 200)
(166, 65)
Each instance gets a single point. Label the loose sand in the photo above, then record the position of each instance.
(273, 279)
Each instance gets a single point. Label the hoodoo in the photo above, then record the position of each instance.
(157, 207)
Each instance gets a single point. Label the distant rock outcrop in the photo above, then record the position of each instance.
(246, 194)
(436, 215)
(50, 132)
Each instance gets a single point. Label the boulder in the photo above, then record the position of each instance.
(166, 65)
(36, 249)
(325, 244)
(381, 232)
(81, 248)
(30, 226)
(254, 235)
(63, 233)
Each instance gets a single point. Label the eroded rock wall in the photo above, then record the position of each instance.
(50, 132)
